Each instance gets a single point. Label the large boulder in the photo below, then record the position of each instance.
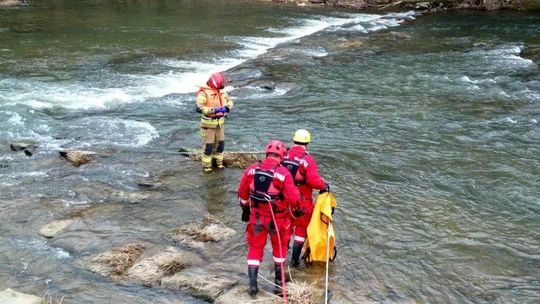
(10, 296)
(115, 262)
(169, 261)
(199, 283)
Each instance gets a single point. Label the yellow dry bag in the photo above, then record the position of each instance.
(320, 230)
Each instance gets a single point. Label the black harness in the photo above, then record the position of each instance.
(262, 180)
(293, 166)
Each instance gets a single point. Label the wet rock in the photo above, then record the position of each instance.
(199, 283)
(480, 45)
(400, 35)
(53, 228)
(19, 146)
(148, 185)
(264, 84)
(10, 296)
(239, 294)
(77, 241)
(355, 44)
(528, 4)
(95, 210)
(76, 157)
(233, 159)
(423, 5)
(166, 262)
(491, 5)
(6, 3)
(26, 147)
(29, 151)
(114, 263)
(531, 52)
(196, 235)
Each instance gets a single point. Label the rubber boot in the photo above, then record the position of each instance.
(295, 257)
(252, 273)
(278, 281)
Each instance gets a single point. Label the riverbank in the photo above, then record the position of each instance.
(430, 6)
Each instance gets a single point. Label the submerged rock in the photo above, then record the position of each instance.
(263, 84)
(10, 296)
(199, 283)
(134, 197)
(53, 228)
(77, 157)
(146, 185)
(166, 262)
(114, 263)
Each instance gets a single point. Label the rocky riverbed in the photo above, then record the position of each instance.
(423, 5)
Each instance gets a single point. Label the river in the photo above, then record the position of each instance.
(427, 128)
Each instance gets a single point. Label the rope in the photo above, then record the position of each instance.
(327, 262)
(280, 251)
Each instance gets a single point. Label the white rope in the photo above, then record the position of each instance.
(282, 268)
(327, 261)
(272, 283)
(265, 279)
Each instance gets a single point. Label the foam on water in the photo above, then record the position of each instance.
(184, 76)
(40, 247)
(115, 131)
(505, 56)
(263, 93)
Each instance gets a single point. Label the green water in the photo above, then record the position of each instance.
(427, 130)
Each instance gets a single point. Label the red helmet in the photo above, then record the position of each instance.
(277, 147)
(216, 81)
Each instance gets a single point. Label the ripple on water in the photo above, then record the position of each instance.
(40, 247)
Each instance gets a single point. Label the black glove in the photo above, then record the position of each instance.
(226, 109)
(245, 214)
(298, 212)
(326, 189)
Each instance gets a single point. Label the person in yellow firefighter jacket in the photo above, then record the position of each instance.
(214, 105)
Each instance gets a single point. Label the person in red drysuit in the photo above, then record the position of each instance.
(303, 168)
(267, 194)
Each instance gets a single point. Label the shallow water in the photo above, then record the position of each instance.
(425, 126)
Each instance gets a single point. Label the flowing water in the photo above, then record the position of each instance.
(427, 128)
